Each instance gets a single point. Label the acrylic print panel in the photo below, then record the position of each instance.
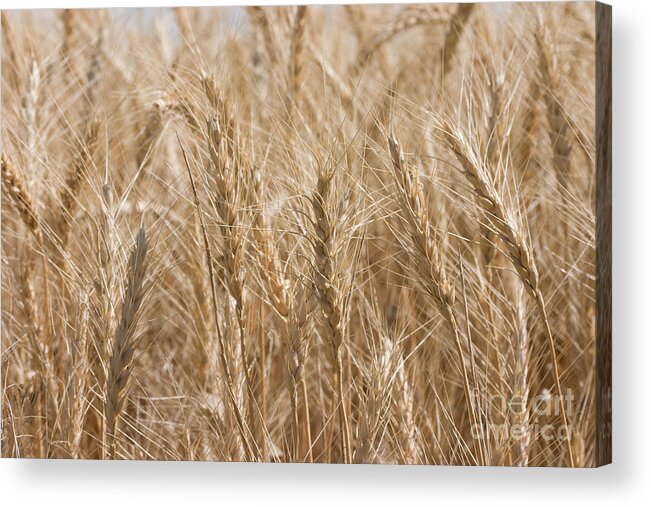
(334, 234)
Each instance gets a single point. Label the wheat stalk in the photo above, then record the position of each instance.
(431, 16)
(521, 381)
(227, 202)
(297, 60)
(260, 19)
(121, 360)
(558, 128)
(427, 258)
(10, 70)
(456, 26)
(330, 296)
(77, 174)
(15, 187)
(517, 250)
(243, 429)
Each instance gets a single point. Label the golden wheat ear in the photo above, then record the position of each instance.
(16, 189)
(123, 348)
(517, 247)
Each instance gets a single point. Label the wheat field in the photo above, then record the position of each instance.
(340, 234)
